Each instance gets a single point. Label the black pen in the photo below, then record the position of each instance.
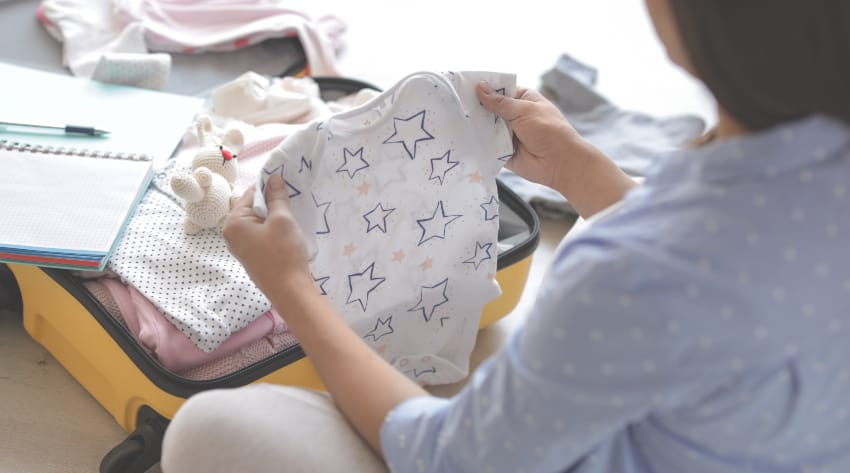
(68, 129)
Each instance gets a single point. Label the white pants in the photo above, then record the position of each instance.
(264, 428)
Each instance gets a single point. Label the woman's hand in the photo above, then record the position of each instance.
(272, 250)
(545, 142)
(550, 151)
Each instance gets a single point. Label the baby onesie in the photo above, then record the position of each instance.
(397, 200)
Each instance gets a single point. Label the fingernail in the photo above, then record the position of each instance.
(485, 87)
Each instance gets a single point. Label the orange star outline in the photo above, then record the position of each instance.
(475, 177)
(349, 249)
(426, 265)
(363, 189)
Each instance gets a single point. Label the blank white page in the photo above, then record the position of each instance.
(66, 202)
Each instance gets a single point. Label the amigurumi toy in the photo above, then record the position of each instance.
(208, 190)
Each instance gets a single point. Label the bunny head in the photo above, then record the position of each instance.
(219, 158)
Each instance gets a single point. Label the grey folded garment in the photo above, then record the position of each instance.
(633, 140)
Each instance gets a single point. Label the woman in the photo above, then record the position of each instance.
(699, 325)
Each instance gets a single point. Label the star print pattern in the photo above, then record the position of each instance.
(305, 164)
(409, 132)
(435, 226)
(382, 328)
(404, 232)
(376, 218)
(350, 162)
(291, 190)
(321, 283)
(361, 285)
(323, 228)
(500, 91)
(431, 297)
(491, 208)
(482, 253)
(398, 255)
(417, 372)
(440, 166)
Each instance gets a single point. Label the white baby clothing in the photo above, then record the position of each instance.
(93, 31)
(397, 200)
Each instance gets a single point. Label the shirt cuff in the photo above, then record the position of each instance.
(409, 430)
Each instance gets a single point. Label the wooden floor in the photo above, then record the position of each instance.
(48, 423)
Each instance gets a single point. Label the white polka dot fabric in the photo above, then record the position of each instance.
(193, 279)
(398, 201)
(149, 71)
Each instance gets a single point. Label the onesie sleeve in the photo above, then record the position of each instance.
(292, 156)
(605, 344)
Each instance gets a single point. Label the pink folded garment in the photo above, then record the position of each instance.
(244, 357)
(165, 342)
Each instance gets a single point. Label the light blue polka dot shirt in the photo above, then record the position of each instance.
(703, 326)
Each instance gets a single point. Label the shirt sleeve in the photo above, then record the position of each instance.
(593, 356)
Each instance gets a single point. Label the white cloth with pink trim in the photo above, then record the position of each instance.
(113, 40)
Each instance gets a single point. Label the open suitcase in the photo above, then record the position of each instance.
(104, 357)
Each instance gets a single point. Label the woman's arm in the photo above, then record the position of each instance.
(550, 151)
(363, 385)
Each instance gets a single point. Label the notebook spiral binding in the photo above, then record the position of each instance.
(60, 150)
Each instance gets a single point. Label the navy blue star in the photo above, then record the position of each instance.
(417, 373)
(321, 283)
(431, 297)
(319, 125)
(349, 165)
(384, 327)
(491, 208)
(506, 157)
(476, 260)
(502, 92)
(325, 206)
(435, 226)
(360, 286)
(267, 174)
(443, 320)
(278, 170)
(410, 131)
(380, 219)
(306, 163)
(440, 166)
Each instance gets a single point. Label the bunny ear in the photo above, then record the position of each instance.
(233, 139)
(204, 128)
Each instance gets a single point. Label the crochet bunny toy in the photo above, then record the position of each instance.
(208, 190)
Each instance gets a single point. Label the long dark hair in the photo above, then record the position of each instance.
(770, 61)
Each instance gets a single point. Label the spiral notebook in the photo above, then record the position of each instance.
(65, 199)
